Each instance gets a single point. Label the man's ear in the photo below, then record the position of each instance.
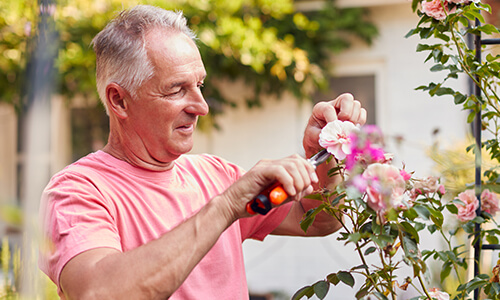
(116, 96)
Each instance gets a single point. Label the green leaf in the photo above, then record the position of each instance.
(422, 211)
(492, 239)
(410, 214)
(495, 289)
(310, 216)
(411, 32)
(337, 199)
(370, 250)
(321, 288)
(488, 29)
(363, 266)
(410, 247)
(473, 14)
(436, 216)
(423, 47)
(445, 271)
(461, 287)
(346, 278)
(459, 98)
(475, 283)
(452, 208)
(307, 291)
(471, 117)
(444, 91)
(355, 237)
(380, 296)
(437, 68)
(362, 292)
(408, 228)
(333, 278)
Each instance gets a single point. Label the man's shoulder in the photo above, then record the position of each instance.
(88, 161)
(206, 160)
(209, 164)
(91, 165)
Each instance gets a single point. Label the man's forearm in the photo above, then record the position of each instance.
(152, 271)
(324, 223)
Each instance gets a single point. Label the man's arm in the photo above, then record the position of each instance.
(343, 108)
(155, 270)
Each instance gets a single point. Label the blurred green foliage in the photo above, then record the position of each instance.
(264, 42)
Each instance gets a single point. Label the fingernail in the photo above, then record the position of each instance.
(314, 177)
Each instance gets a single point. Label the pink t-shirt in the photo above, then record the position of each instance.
(101, 201)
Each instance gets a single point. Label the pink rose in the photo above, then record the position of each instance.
(489, 202)
(335, 137)
(366, 148)
(438, 295)
(441, 190)
(467, 211)
(427, 185)
(434, 9)
(385, 187)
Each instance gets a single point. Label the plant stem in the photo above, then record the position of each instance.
(423, 286)
(455, 266)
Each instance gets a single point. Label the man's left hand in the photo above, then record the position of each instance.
(344, 108)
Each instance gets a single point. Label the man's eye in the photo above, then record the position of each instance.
(173, 93)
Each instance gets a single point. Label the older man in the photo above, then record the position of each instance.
(141, 219)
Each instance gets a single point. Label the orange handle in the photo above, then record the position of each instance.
(274, 194)
(278, 195)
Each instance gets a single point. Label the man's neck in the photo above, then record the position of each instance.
(148, 163)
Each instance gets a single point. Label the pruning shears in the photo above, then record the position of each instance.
(275, 194)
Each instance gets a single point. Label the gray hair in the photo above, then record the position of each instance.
(120, 47)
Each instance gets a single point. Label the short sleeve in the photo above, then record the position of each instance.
(258, 227)
(75, 218)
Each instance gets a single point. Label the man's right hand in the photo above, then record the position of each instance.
(295, 174)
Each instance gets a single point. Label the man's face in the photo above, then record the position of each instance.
(166, 109)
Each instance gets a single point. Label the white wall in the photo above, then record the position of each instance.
(286, 264)
(8, 154)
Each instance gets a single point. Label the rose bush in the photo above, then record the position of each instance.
(384, 210)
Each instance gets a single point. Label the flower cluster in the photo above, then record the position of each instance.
(369, 171)
(439, 9)
(382, 208)
(468, 204)
(438, 295)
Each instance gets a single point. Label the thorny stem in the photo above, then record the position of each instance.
(384, 265)
(362, 257)
(423, 286)
(467, 70)
(358, 249)
(448, 243)
(455, 266)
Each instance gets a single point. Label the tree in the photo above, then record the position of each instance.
(265, 42)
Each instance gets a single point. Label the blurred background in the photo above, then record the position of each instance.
(268, 62)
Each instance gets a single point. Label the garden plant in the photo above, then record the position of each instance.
(386, 210)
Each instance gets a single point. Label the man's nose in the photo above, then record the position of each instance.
(198, 105)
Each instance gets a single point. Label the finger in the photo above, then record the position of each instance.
(309, 190)
(356, 112)
(345, 107)
(362, 117)
(323, 112)
(302, 174)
